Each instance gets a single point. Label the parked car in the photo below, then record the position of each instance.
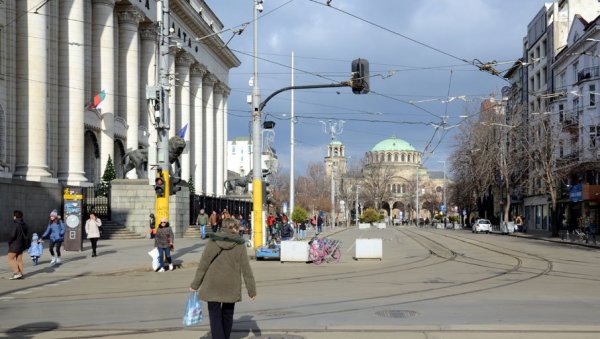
(482, 225)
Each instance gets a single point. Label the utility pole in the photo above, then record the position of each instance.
(356, 205)
(292, 123)
(257, 225)
(444, 193)
(161, 107)
(418, 209)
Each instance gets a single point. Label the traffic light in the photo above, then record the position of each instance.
(174, 182)
(159, 184)
(266, 193)
(360, 76)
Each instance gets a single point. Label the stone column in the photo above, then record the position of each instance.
(148, 77)
(219, 147)
(209, 112)
(71, 92)
(197, 127)
(182, 107)
(129, 86)
(31, 90)
(103, 73)
(226, 91)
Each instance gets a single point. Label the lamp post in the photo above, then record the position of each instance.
(444, 194)
(257, 225)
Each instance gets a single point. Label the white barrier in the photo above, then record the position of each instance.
(362, 226)
(380, 225)
(368, 249)
(294, 251)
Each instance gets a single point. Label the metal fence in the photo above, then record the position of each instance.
(97, 199)
(209, 204)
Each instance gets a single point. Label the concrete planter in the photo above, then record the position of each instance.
(369, 249)
(363, 226)
(294, 251)
(380, 225)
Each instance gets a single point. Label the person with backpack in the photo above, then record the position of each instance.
(287, 232)
(17, 244)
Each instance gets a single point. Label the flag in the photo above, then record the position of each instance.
(182, 131)
(96, 100)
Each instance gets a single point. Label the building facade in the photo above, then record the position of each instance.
(56, 56)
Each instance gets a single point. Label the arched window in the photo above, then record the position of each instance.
(389, 156)
(403, 157)
(396, 157)
(409, 158)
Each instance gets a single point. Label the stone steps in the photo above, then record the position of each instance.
(114, 231)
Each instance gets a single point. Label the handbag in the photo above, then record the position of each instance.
(192, 313)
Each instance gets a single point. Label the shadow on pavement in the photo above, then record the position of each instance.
(244, 326)
(30, 330)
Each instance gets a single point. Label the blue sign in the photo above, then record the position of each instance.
(443, 208)
(576, 193)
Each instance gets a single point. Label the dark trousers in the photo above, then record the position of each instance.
(214, 228)
(94, 242)
(221, 319)
(51, 247)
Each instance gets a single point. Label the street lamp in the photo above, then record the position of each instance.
(444, 194)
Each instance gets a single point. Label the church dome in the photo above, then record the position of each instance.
(393, 144)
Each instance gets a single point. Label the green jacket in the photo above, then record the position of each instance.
(202, 219)
(223, 264)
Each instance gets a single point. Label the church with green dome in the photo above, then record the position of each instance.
(391, 175)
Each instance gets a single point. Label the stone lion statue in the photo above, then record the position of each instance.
(138, 158)
(232, 184)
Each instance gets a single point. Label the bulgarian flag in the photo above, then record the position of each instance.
(96, 100)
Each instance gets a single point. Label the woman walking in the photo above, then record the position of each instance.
(92, 229)
(55, 231)
(17, 245)
(164, 242)
(219, 277)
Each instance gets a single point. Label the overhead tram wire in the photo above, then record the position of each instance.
(485, 67)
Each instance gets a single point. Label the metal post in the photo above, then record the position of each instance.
(162, 116)
(356, 206)
(418, 209)
(292, 123)
(332, 197)
(257, 225)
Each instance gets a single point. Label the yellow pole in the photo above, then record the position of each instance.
(162, 203)
(257, 208)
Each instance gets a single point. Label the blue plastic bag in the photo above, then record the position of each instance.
(192, 314)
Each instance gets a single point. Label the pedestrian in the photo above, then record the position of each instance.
(152, 226)
(36, 249)
(219, 277)
(214, 221)
(55, 231)
(17, 244)
(164, 243)
(287, 232)
(320, 223)
(302, 230)
(201, 222)
(92, 229)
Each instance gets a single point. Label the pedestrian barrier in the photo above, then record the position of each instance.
(364, 225)
(292, 250)
(381, 225)
(368, 249)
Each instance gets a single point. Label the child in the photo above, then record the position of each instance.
(36, 248)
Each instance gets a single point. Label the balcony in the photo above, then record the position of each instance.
(568, 159)
(570, 121)
(588, 73)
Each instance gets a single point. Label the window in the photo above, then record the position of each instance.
(544, 75)
(594, 135)
(574, 71)
(592, 89)
(232, 150)
(561, 112)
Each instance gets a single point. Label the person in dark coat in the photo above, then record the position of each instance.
(164, 242)
(17, 245)
(219, 277)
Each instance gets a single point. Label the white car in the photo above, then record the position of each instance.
(482, 225)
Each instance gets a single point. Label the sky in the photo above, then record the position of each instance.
(421, 55)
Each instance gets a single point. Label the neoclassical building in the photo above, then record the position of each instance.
(398, 162)
(57, 55)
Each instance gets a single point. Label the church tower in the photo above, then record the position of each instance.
(336, 158)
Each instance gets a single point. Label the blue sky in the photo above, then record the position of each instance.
(419, 54)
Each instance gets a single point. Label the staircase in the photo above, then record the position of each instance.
(114, 231)
(194, 232)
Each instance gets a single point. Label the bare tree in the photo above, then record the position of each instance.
(376, 177)
(313, 190)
